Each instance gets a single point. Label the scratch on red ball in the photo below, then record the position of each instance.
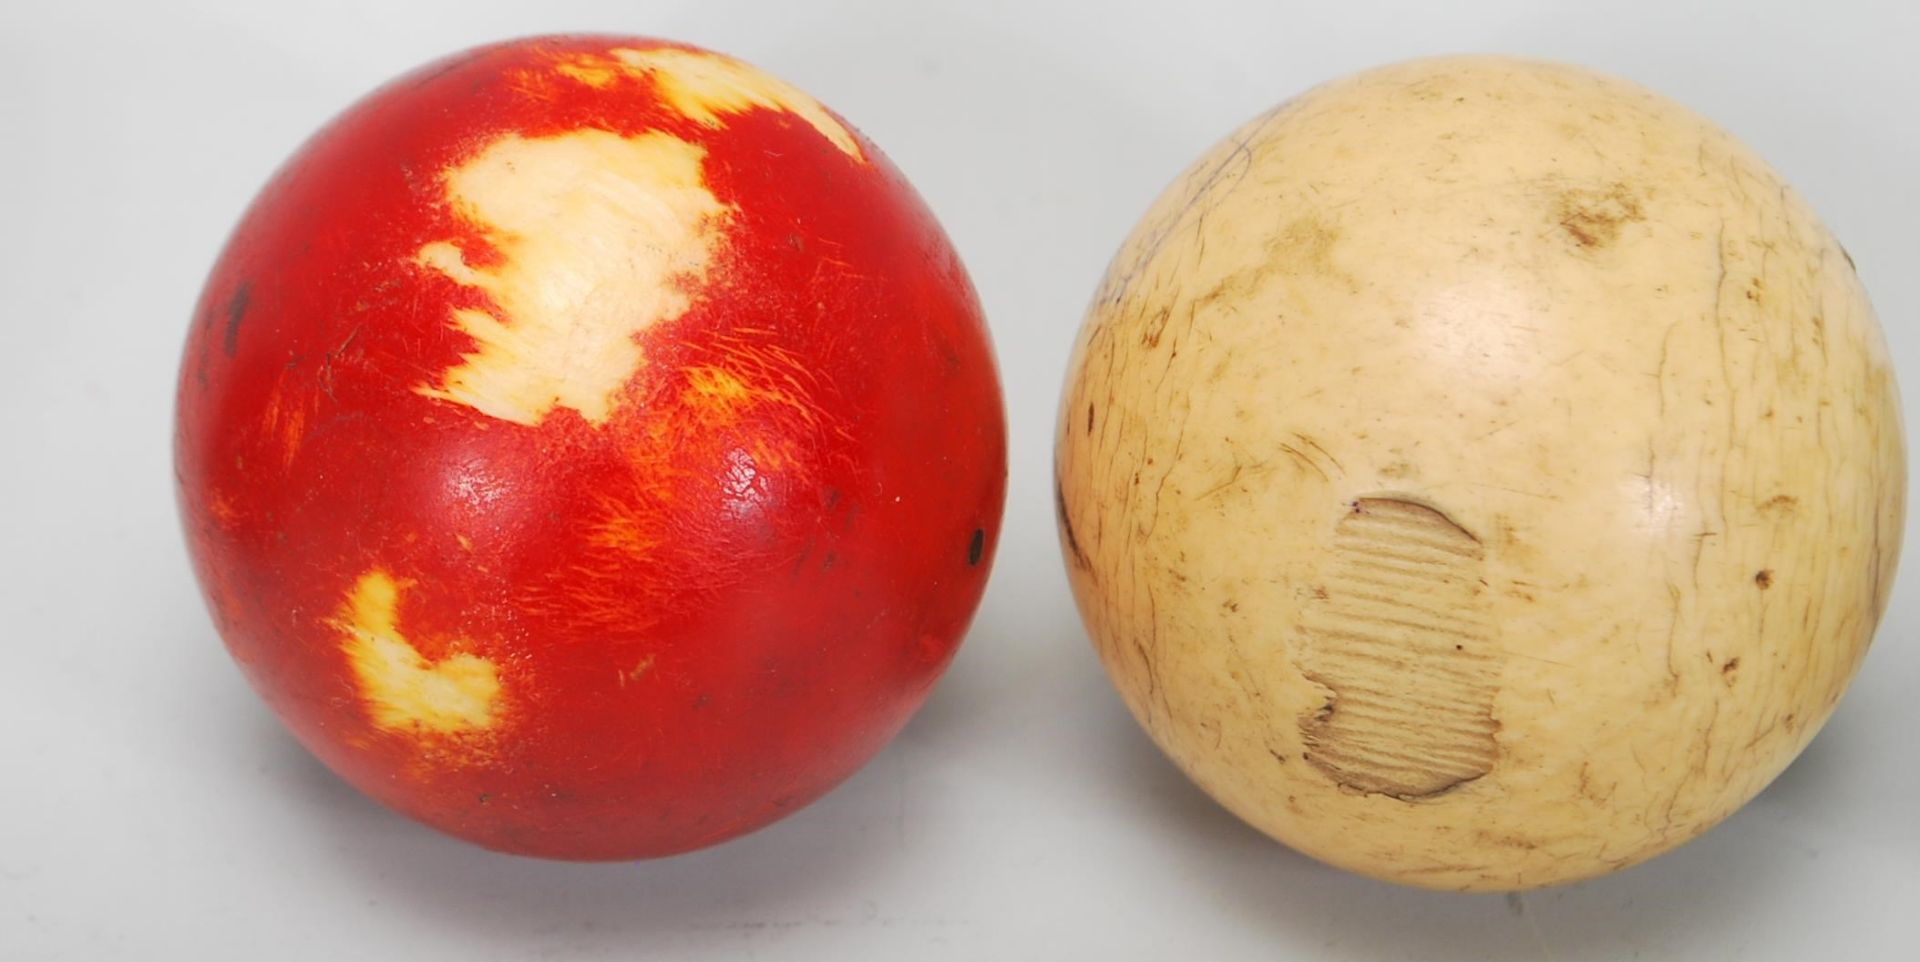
(738, 425)
(283, 421)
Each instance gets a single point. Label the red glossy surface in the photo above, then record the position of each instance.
(703, 611)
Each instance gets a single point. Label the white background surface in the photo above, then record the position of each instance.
(150, 808)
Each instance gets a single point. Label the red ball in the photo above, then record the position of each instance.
(590, 447)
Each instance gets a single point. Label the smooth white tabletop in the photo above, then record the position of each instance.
(151, 808)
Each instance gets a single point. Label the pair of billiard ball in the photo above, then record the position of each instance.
(1476, 473)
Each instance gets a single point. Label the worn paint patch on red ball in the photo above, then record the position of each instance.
(590, 446)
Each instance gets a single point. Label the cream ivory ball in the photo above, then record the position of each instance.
(1481, 473)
